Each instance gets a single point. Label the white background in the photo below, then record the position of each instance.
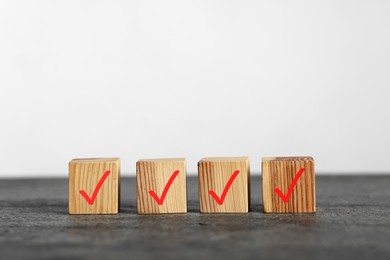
(151, 79)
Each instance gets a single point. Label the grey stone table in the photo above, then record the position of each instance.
(353, 221)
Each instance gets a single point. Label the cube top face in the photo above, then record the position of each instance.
(161, 186)
(291, 158)
(94, 186)
(224, 159)
(224, 185)
(288, 185)
(85, 160)
(163, 160)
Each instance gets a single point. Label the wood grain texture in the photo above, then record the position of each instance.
(153, 175)
(279, 172)
(214, 174)
(85, 174)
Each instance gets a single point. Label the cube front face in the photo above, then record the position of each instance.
(224, 185)
(94, 186)
(288, 185)
(161, 186)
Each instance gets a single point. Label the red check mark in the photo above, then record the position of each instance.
(95, 192)
(286, 197)
(225, 190)
(160, 200)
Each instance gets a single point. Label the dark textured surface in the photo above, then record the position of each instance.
(353, 221)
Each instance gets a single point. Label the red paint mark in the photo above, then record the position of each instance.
(225, 190)
(290, 189)
(95, 192)
(160, 200)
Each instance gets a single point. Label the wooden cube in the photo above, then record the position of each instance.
(94, 186)
(288, 185)
(224, 185)
(161, 186)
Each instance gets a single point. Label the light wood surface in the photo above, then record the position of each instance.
(214, 175)
(153, 175)
(84, 175)
(279, 172)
